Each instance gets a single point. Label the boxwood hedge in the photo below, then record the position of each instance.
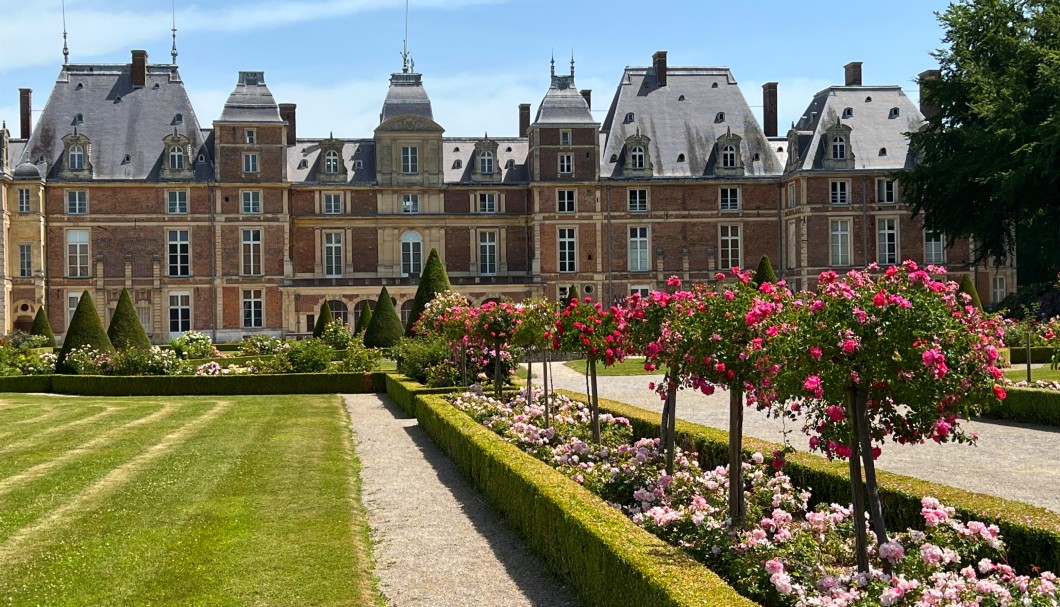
(197, 385)
(1028, 406)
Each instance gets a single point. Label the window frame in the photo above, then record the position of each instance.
(565, 161)
(250, 163)
(72, 301)
(250, 137)
(81, 255)
(637, 157)
(182, 320)
(178, 253)
(80, 206)
(24, 203)
(839, 147)
(566, 137)
(331, 204)
(887, 245)
(726, 248)
(839, 191)
(332, 254)
(487, 202)
(929, 257)
(638, 246)
(567, 250)
(76, 159)
(410, 159)
(176, 158)
(412, 260)
(726, 203)
(25, 260)
(572, 202)
(885, 188)
(793, 195)
(837, 245)
(250, 258)
(998, 288)
(728, 156)
(488, 252)
(641, 205)
(485, 162)
(410, 203)
(251, 198)
(173, 202)
(331, 162)
(253, 305)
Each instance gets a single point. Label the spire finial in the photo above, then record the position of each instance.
(552, 64)
(66, 49)
(406, 61)
(173, 52)
(572, 63)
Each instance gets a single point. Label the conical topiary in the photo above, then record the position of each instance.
(765, 272)
(323, 319)
(43, 326)
(572, 293)
(85, 330)
(384, 330)
(433, 281)
(363, 319)
(967, 286)
(125, 330)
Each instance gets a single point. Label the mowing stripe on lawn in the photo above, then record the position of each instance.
(9, 550)
(18, 413)
(36, 438)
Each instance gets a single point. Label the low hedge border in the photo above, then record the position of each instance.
(1032, 534)
(197, 385)
(604, 556)
(1028, 406)
(1039, 354)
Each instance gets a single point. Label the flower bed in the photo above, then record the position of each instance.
(788, 554)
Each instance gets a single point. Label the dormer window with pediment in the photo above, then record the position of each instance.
(331, 168)
(484, 167)
(730, 160)
(838, 153)
(638, 163)
(78, 156)
(175, 158)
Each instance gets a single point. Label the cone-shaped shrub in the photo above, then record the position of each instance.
(765, 272)
(43, 326)
(322, 319)
(125, 330)
(384, 330)
(433, 281)
(967, 286)
(572, 293)
(85, 330)
(363, 320)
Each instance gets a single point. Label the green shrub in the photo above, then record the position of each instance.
(26, 383)
(306, 356)
(323, 319)
(433, 281)
(125, 330)
(193, 344)
(1028, 406)
(416, 357)
(363, 319)
(197, 385)
(385, 330)
(358, 358)
(43, 327)
(336, 334)
(145, 361)
(85, 330)
(23, 341)
(258, 345)
(765, 272)
(1018, 356)
(967, 286)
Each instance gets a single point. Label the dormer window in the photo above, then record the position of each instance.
(79, 119)
(636, 157)
(868, 100)
(883, 151)
(614, 158)
(485, 163)
(77, 157)
(176, 158)
(719, 117)
(176, 149)
(178, 119)
(838, 151)
(330, 167)
(629, 117)
(848, 112)
(458, 164)
(680, 158)
(637, 163)
(681, 98)
(509, 164)
(895, 112)
(331, 162)
(839, 148)
(127, 159)
(358, 164)
(303, 164)
(728, 157)
(713, 85)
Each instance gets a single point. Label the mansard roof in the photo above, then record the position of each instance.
(683, 119)
(304, 157)
(563, 105)
(462, 149)
(406, 96)
(251, 101)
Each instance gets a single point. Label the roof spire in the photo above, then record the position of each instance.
(553, 65)
(406, 60)
(66, 49)
(173, 52)
(572, 64)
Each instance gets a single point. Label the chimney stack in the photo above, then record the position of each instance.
(25, 111)
(928, 107)
(658, 61)
(769, 109)
(524, 119)
(587, 95)
(287, 114)
(139, 69)
(852, 71)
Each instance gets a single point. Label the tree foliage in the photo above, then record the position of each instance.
(323, 319)
(967, 286)
(363, 319)
(384, 330)
(85, 330)
(43, 326)
(125, 330)
(988, 160)
(433, 281)
(765, 272)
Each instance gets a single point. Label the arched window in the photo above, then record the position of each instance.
(728, 157)
(839, 148)
(339, 310)
(406, 311)
(485, 163)
(331, 162)
(77, 158)
(176, 158)
(636, 157)
(411, 254)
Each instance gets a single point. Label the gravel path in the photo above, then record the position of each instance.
(1014, 461)
(437, 542)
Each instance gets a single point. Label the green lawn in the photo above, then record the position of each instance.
(631, 366)
(1019, 373)
(188, 501)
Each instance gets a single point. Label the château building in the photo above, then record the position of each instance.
(241, 227)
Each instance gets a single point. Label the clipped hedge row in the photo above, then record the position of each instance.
(1018, 356)
(197, 385)
(26, 383)
(1032, 534)
(604, 556)
(1028, 406)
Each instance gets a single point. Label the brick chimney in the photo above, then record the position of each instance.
(927, 107)
(769, 109)
(658, 62)
(852, 71)
(287, 114)
(139, 68)
(587, 95)
(524, 119)
(25, 112)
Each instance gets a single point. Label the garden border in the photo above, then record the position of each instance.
(197, 385)
(1028, 406)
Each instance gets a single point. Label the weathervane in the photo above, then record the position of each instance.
(174, 30)
(66, 50)
(407, 64)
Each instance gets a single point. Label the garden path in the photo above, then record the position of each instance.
(437, 542)
(1015, 461)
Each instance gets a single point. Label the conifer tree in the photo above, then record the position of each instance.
(967, 286)
(384, 330)
(125, 330)
(323, 319)
(42, 326)
(363, 320)
(433, 281)
(85, 330)
(765, 272)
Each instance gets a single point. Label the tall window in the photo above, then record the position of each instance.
(71, 307)
(730, 199)
(77, 202)
(839, 148)
(998, 289)
(884, 190)
(411, 254)
(143, 312)
(331, 162)
(636, 157)
(176, 158)
(252, 202)
(638, 249)
(179, 253)
(179, 313)
(728, 157)
(638, 201)
(730, 246)
(332, 204)
(332, 254)
(568, 250)
(77, 253)
(77, 158)
(839, 192)
(840, 242)
(23, 200)
(250, 163)
(793, 196)
(485, 163)
(25, 260)
(565, 201)
(253, 309)
(177, 202)
(251, 250)
(887, 241)
(487, 202)
(487, 253)
(934, 252)
(410, 159)
(410, 203)
(566, 164)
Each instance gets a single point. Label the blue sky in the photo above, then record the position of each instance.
(480, 58)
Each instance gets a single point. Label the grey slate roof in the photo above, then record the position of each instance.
(118, 119)
(563, 105)
(251, 101)
(872, 124)
(304, 156)
(687, 126)
(463, 149)
(405, 96)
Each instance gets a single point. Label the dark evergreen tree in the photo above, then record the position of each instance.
(572, 294)
(42, 326)
(85, 330)
(967, 286)
(765, 272)
(433, 281)
(323, 319)
(125, 330)
(363, 320)
(384, 330)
